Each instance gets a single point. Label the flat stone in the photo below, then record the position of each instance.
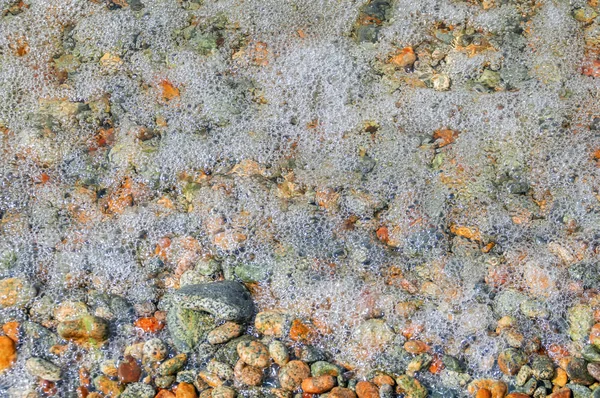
(226, 300)
(43, 369)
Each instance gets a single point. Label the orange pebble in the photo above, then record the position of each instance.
(149, 324)
(483, 393)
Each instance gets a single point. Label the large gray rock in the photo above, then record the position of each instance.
(226, 300)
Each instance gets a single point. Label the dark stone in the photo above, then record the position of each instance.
(225, 300)
(542, 367)
(578, 373)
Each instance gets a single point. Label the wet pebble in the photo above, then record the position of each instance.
(129, 371)
(318, 384)
(154, 350)
(321, 368)
(138, 390)
(365, 389)
(254, 353)
(172, 365)
(223, 392)
(292, 374)
(87, 330)
(511, 360)
(342, 392)
(185, 390)
(279, 352)
(43, 369)
(248, 375)
(224, 333)
(542, 367)
(271, 323)
(578, 373)
(8, 353)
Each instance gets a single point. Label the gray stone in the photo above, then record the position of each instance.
(454, 364)
(542, 367)
(251, 273)
(590, 353)
(226, 300)
(43, 369)
(579, 391)
(138, 390)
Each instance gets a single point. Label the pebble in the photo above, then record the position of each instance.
(483, 393)
(16, 292)
(226, 300)
(365, 389)
(107, 386)
(185, 390)
(187, 376)
(562, 393)
(415, 347)
(210, 378)
(271, 323)
(87, 330)
(318, 384)
(560, 379)
(321, 368)
(410, 387)
(382, 379)
(302, 332)
(135, 350)
(594, 370)
(109, 368)
(374, 335)
(138, 390)
(542, 367)
(454, 364)
(581, 320)
(279, 352)
(164, 381)
(129, 371)
(309, 354)
(292, 374)
(223, 392)
(206, 393)
(8, 353)
(254, 353)
(523, 375)
(247, 374)
(342, 392)
(517, 395)
(386, 391)
(590, 353)
(172, 365)
(43, 369)
(578, 373)
(70, 311)
(405, 57)
(222, 370)
(579, 391)
(224, 333)
(511, 360)
(154, 350)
